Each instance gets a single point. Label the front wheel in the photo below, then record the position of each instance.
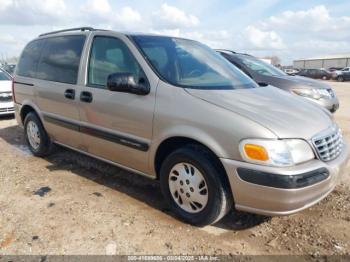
(194, 187)
(340, 79)
(37, 139)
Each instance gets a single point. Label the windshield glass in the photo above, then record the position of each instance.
(260, 66)
(4, 76)
(190, 64)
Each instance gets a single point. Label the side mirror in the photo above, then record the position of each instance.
(126, 83)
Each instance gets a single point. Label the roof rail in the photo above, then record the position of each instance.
(226, 50)
(70, 29)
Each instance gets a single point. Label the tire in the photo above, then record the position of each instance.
(340, 79)
(324, 78)
(199, 162)
(41, 144)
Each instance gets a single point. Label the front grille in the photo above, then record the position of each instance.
(8, 109)
(329, 145)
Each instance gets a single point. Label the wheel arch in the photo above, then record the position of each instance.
(26, 108)
(170, 144)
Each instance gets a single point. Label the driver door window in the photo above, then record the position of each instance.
(110, 55)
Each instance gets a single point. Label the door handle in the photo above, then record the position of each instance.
(70, 94)
(86, 97)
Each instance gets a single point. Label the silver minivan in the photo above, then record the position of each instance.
(173, 109)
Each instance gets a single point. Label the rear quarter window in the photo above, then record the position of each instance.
(29, 59)
(60, 59)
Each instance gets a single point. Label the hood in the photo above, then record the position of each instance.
(286, 115)
(295, 82)
(5, 86)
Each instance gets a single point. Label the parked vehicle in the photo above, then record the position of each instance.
(290, 71)
(173, 109)
(342, 75)
(6, 103)
(315, 73)
(263, 73)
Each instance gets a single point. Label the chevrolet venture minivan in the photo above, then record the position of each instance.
(175, 110)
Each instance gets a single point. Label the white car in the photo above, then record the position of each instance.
(290, 71)
(6, 103)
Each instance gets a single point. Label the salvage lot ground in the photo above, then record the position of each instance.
(94, 208)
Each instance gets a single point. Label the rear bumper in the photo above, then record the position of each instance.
(278, 199)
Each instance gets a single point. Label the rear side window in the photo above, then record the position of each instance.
(30, 58)
(60, 59)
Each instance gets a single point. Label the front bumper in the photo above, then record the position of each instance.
(272, 200)
(6, 108)
(331, 105)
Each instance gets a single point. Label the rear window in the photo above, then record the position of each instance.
(30, 58)
(54, 59)
(60, 59)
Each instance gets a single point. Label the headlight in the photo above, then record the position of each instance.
(286, 152)
(312, 93)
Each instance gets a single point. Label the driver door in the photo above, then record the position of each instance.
(116, 126)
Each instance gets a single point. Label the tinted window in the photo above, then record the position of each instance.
(190, 64)
(4, 76)
(29, 60)
(110, 55)
(60, 59)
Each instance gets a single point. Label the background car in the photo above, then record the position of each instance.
(343, 76)
(263, 73)
(6, 103)
(315, 73)
(291, 71)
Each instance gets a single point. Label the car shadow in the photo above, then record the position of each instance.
(138, 187)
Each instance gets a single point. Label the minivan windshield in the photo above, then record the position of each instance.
(190, 64)
(260, 66)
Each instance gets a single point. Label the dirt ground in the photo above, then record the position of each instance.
(72, 204)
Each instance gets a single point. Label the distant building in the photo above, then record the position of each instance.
(340, 60)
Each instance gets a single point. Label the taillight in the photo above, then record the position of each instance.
(13, 90)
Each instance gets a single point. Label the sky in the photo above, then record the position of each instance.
(287, 29)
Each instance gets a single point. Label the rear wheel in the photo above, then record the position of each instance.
(37, 139)
(324, 78)
(194, 187)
